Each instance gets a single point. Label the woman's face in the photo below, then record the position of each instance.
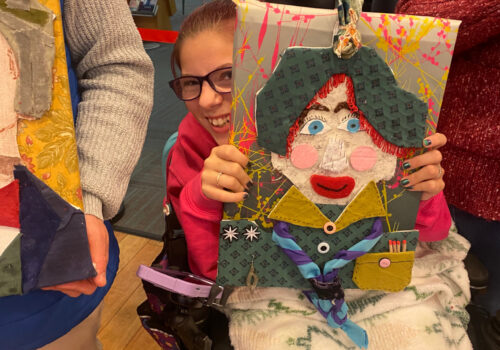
(332, 158)
(200, 55)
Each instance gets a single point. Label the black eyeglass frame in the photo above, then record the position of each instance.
(200, 80)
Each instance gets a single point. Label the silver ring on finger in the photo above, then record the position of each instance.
(218, 178)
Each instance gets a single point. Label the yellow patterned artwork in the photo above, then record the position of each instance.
(43, 238)
(47, 145)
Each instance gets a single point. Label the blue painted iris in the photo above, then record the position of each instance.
(352, 125)
(314, 127)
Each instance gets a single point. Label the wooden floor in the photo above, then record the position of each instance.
(120, 325)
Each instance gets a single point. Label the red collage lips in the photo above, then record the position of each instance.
(332, 187)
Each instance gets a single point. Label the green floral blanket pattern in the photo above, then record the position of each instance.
(429, 314)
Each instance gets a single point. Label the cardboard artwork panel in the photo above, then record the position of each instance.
(39, 176)
(326, 138)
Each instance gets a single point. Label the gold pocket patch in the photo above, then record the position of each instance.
(384, 271)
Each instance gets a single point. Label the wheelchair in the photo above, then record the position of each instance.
(175, 321)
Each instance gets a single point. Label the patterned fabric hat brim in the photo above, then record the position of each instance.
(397, 115)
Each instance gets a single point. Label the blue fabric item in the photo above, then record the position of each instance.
(38, 318)
(38, 226)
(356, 334)
(334, 310)
(69, 258)
(60, 252)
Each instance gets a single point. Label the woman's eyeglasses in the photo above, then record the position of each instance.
(188, 87)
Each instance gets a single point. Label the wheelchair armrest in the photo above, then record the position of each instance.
(478, 274)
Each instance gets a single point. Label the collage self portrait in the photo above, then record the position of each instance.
(43, 240)
(326, 137)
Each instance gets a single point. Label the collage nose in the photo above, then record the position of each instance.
(334, 158)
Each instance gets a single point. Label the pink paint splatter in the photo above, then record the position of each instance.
(244, 48)
(430, 59)
(275, 54)
(366, 17)
(263, 28)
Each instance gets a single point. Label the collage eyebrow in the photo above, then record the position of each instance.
(318, 107)
(340, 106)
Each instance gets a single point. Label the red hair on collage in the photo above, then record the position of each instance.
(334, 81)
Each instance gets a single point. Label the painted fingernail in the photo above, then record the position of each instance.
(249, 184)
(405, 182)
(245, 196)
(427, 142)
(406, 165)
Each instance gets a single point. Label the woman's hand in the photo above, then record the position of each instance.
(428, 179)
(223, 177)
(98, 238)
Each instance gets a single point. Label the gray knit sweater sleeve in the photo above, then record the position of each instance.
(115, 76)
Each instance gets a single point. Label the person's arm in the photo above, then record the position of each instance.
(197, 189)
(200, 218)
(433, 219)
(479, 18)
(115, 76)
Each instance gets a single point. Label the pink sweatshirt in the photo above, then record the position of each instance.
(200, 217)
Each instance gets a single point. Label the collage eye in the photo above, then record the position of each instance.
(314, 127)
(350, 124)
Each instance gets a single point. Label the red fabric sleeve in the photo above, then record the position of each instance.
(200, 218)
(433, 219)
(479, 17)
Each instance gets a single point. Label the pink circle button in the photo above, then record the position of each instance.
(304, 156)
(384, 263)
(363, 158)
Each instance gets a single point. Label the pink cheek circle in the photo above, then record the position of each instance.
(363, 158)
(304, 156)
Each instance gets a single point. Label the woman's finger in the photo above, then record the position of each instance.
(230, 161)
(222, 195)
(230, 153)
(232, 170)
(428, 172)
(429, 188)
(435, 141)
(235, 177)
(428, 158)
(228, 182)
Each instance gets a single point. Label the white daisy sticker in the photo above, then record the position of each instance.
(230, 233)
(251, 233)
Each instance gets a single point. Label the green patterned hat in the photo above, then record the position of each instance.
(397, 115)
